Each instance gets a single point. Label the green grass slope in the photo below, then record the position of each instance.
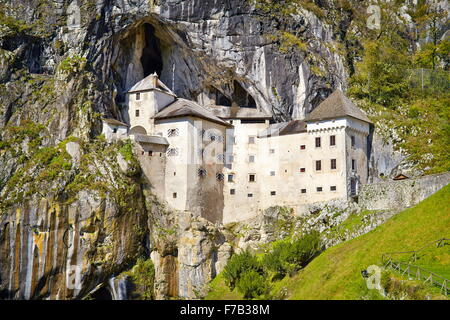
(336, 273)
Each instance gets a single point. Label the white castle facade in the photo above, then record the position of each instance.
(229, 163)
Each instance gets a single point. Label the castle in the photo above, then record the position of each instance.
(228, 163)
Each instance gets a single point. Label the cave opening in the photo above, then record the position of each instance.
(151, 58)
(241, 97)
(102, 294)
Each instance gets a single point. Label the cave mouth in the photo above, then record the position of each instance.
(102, 294)
(151, 58)
(241, 97)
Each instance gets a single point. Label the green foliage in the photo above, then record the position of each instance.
(127, 151)
(238, 264)
(252, 284)
(72, 64)
(381, 77)
(288, 256)
(143, 277)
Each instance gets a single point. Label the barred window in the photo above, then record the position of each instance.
(220, 158)
(202, 172)
(173, 132)
(220, 176)
(172, 152)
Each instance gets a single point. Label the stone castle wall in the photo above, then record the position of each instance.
(401, 194)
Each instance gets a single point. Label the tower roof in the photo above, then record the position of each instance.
(151, 82)
(183, 108)
(335, 106)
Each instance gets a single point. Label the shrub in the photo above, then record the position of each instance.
(252, 284)
(143, 277)
(237, 265)
(289, 256)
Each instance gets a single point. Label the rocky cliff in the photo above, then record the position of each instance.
(74, 211)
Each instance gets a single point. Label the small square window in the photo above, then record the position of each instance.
(115, 130)
(318, 165)
(150, 153)
(333, 188)
(332, 140)
(302, 147)
(137, 113)
(174, 195)
(273, 193)
(138, 96)
(251, 159)
(251, 177)
(272, 151)
(251, 140)
(319, 189)
(232, 191)
(173, 132)
(303, 191)
(272, 173)
(302, 170)
(174, 173)
(318, 142)
(231, 178)
(250, 195)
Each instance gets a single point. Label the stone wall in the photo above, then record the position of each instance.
(401, 194)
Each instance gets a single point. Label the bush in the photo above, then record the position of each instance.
(239, 264)
(252, 284)
(143, 277)
(287, 256)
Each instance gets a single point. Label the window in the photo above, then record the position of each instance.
(232, 191)
(333, 188)
(302, 169)
(201, 172)
(251, 159)
(252, 177)
(318, 165)
(303, 191)
(353, 141)
(251, 140)
(174, 174)
(332, 140)
(353, 164)
(220, 177)
(150, 153)
(272, 151)
(319, 189)
(138, 96)
(250, 195)
(137, 113)
(273, 193)
(230, 158)
(174, 195)
(231, 178)
(220, 158)
(173, 132)
(172, 152)
(302, 147)
(333, 164)
(318, 144)
(115, 130)
(272, 173)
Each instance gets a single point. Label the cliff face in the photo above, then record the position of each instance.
(74, 212)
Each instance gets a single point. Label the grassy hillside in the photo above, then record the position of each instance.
(336, 273)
